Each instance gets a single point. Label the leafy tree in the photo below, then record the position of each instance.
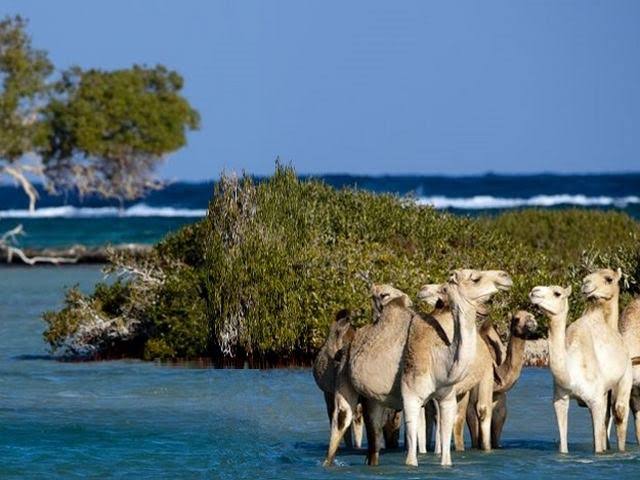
(107, 131)
(96, 131)
(23, 72)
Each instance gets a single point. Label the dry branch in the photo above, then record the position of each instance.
(8, 242)
(18, 173)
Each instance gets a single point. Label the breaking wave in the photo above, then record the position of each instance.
(477, 202)
(481, 202)
(137, 210)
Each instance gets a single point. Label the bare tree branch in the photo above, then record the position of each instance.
(17, 172)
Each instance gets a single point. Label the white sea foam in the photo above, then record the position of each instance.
(464, 203)
(486, 201)
(137, 210)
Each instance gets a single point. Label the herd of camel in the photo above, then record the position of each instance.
(440, 370)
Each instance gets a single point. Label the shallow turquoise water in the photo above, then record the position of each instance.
(142, 420)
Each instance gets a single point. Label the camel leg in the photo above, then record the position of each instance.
(344, 404)
(448, 408)
(620, 399)
(422, 432)
(391, 428)
(357, 426)
(498, 419)
(458, 426)
(472, 419)
(329, 401)
(561, 406)
(430, 420)
(484, 408)
(635, 409)
(598, 408)
(437, 448)
(411, 408)
(608, 420)
(373, 418)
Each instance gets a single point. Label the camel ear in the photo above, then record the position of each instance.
(567, 291)
(453, 277)
(618, 274)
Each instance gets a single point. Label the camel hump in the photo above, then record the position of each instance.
(630, 318)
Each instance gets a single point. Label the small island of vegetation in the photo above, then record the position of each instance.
(259, 280)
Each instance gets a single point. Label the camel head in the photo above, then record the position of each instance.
(434, 294)
(553, 300)
(341, 331)
(602, 285)
(524, 325)
(477, 286)
(382, 295)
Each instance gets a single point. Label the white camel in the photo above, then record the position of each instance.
(587, 360)
(630, 330)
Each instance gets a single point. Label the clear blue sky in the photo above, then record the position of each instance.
(453, 87)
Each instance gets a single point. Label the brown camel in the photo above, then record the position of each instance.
(370, 371)
(433, 364)
(478, 377)
(325, 369)
(507, 368)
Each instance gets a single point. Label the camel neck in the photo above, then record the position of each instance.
(393, 311)
(608, 309)
(611, 312)
(509, 370)
(558, 348)
(392, 317)
(464, 343)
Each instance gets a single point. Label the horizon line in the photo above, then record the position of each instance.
(9, 183)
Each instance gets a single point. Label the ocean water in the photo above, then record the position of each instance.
(130, 419)
(67, 220)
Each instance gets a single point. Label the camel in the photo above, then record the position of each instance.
(370, 371)
(587, 359)
(601, 287)
(630, 330)
(433, 364)
(506, 372)
(478, 378)
(325, 367)
(507, 368)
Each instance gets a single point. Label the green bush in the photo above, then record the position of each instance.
(260, 278)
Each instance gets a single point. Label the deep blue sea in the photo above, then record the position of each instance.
(67, 220)
(137, 420)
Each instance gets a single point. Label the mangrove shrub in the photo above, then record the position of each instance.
(259, 280)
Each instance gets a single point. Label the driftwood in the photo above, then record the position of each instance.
(8, 246)
(11, 254)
